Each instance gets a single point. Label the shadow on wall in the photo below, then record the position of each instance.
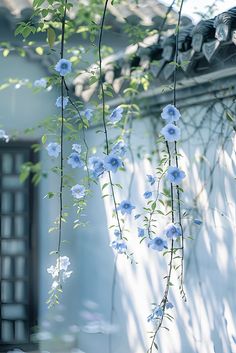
(206, 322)
(114, 301)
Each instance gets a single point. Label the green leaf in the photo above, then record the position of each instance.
(45, 12)
(230, 117)
(105, 185)
(118, 185)
(153, 206)
(156, 346)
(37, 3)
(19, 29)
(50, 195)
(53, 252)
(5, 52)
(26, 32)
(39, 50)
(51, 37)
(44, 139)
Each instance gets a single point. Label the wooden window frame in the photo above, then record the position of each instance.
(32, 247)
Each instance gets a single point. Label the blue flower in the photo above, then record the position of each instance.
(175, 175)
(172, 232)
(140, 232)
(63, 66)
(119, 245)
(197, 221)
(112, 163)
(158, 244)
(147, 194)
(88, 113)
(54, 149)
(151, 179)
(169, 305)
(150, 317)
(59, 102)
(126, 207)
(42, 83)
(76, 148)
(96, 166)
(75, 161)
(171, 132)
(116, 115)
(117, 233)
(156, 314)
(170, 113)
(120, 148)
(78, 191)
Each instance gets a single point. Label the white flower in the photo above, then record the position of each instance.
(4, 136)
(63, 262)
(55, 284)
(76, 147)
(61, 267)
(66, 274)
(53, 271)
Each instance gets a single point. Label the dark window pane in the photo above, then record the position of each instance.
(6, 202)
(7, 291)
(7, 163)
(5, 226)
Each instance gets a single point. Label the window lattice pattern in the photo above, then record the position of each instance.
(16, 248)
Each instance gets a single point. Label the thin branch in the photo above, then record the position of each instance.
(103, 114)
(172, 251)
(176, 156)
(61, 138)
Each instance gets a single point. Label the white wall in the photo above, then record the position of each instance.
(206, 323)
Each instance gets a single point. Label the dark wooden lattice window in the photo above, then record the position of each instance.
(18, 260)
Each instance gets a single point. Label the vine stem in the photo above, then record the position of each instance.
(153, 211)
(164, 21)
(62, 144)
(109, 173)
(103, 114)
(170, 266)
(176, 157)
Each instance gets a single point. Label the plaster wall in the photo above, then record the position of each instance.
(206, 323)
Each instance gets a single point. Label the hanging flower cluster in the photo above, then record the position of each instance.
(173, 232)
(171, 133)
(118, 244)
(60, 270)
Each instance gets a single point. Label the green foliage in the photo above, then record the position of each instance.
(30, 168)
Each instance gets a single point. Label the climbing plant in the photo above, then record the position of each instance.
(56, 23)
